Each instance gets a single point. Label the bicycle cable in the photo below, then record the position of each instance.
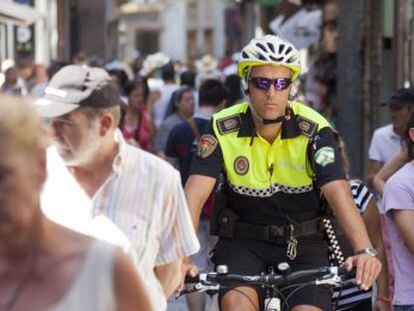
(279, 292)
(294, 291)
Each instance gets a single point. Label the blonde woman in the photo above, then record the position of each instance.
(44, 266)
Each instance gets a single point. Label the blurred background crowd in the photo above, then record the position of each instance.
(174, 63)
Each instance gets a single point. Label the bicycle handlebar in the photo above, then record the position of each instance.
(268, 279)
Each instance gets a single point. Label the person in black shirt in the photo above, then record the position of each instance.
(183, 139)
(277, 156)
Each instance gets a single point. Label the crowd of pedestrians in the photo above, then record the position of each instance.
(106, 152)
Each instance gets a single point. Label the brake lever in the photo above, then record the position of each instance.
(198, 288)
(332, 280)
(185, 292)
(204, 287)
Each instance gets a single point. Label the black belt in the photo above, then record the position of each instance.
(268, 233)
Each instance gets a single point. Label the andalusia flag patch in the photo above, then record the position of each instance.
(325, 156)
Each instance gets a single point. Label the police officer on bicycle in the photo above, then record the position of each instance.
(278, 157)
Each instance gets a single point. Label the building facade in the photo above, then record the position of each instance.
(182, 29)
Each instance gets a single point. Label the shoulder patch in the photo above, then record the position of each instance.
(206, 146)
(307, 126)
(229, 124)
(325, 156)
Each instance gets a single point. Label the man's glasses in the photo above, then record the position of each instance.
(265, 83)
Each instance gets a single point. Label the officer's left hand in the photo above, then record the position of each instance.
(187, 269)
(367, 269)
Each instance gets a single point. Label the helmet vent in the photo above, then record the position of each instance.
(291, 60)
(288, 50)
(261, 57)
(244, 55)
(261, 46)
(271, 47)
(281, 48)
(276, 59)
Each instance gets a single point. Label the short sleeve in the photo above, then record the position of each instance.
(326, 159)
(208, 159)
(398, 195)
(374, 152)
(177, 236)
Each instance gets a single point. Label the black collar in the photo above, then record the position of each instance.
(290, 128)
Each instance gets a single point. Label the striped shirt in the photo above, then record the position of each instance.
(144, 198)
(360, 194)
(351, 295)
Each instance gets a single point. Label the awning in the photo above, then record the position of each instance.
(18, 14)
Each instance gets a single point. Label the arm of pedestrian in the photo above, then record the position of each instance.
(130, 291)
(373, 223)
(405, 220)
(170, 276)
(389, 169)
(373, 168)
(338, 195)
(177, 237)
(188, 270)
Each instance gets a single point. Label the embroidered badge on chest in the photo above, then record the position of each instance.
(206, 146)
(229, 124)
(307, 127)
(241, 165)
(325, 156)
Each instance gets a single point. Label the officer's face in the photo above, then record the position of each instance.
(269, 104)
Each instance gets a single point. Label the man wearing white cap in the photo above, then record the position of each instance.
(140, 193)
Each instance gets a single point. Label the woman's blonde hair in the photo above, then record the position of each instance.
(20, 123)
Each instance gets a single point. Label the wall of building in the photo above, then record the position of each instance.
(186, 29)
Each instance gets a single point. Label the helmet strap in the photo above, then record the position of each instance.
(272, 121)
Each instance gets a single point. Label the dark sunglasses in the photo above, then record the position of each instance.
(265, 83)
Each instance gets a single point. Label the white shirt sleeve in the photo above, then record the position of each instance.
(374, 152)
(177, 236)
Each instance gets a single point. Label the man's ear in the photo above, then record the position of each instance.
(107, 122)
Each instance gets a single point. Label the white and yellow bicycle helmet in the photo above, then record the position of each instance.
(268, 50)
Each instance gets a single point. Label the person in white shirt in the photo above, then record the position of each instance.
(385, 144)
(167, 89)
(387, 140)
(138, 192)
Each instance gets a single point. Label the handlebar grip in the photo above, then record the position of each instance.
(192, 279)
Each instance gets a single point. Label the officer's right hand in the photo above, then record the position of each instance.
(367, 269)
